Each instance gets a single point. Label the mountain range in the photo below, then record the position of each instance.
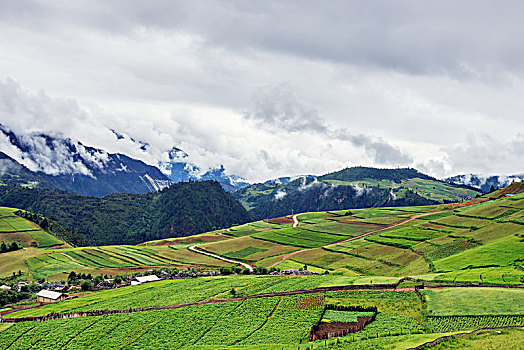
(182, 209)
(41, 160)
(485, 183)
(357, 187)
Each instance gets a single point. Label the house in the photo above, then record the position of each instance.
(48, 296)
(144, 279)
(19, 285)
(4, 287)
(55, 286)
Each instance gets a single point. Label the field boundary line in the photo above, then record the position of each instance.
(263, 323)
(385, 228)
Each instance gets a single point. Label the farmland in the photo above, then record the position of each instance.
(472, 242)
(270, 322)
(478, 242)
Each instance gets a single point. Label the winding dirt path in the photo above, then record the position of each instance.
(287, 256)
(193, 248)
(295, 220)
(70, 257)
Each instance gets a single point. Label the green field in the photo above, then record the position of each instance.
(474, 242)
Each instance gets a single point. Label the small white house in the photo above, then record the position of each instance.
(48, 296)
(144, 279)
(4, 287)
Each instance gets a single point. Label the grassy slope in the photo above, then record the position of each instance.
(484, 238)
(265, 323)
(22, 231)
(435, 245)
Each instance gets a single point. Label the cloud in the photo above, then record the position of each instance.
(344, 83)
(277, 108)
(280, 195)
(361, 190)
(483, 152)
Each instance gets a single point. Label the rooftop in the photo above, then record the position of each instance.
(49, 294)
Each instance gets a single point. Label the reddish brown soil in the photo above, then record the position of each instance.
(514, 188)
(359, 223)
(328, 330)
(282, 220)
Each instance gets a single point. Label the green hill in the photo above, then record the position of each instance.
(124, 218)
(368, 253)
(357, 187)
(14, 228)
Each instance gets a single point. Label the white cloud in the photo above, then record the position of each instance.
(269, 88)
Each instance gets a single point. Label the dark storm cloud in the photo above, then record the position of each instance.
(451, 37)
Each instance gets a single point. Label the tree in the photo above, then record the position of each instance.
(233, 292)
(117, 280)
(98, 279)
(72, 276)
(86, 285)
(14, 247)
(3, 248)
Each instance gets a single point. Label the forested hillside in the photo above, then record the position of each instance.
(124, 218)
(357, 187)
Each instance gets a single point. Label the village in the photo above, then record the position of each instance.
(15, 294)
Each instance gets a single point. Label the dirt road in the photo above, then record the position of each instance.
(193, 248)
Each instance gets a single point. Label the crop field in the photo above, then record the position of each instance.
(195, 239)
(16, 229)
(272, 322)
(256, 321)
(502, 339)
(502, 252)
(474, 301)
(298, 237)
(248, 248)
(461, 222)
(340, 228)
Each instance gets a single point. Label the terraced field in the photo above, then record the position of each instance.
(478, 241)
(25, 233)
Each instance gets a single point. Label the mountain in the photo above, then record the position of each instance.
(357, 187)
(484, 183)
(125, 218)
(66, 164)
(179, 169)
(286, 179)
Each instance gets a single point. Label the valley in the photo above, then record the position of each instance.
(431, 271)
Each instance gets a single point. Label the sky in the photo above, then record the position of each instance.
(273, 88)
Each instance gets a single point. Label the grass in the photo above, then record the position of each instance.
(474, 301)
(489, 339)
(502, 252)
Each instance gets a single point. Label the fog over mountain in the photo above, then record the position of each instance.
(271, 89)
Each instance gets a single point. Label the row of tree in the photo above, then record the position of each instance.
(4, 248)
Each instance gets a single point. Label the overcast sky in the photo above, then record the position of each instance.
(274, 88)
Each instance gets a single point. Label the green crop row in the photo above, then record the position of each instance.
(456, 323)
